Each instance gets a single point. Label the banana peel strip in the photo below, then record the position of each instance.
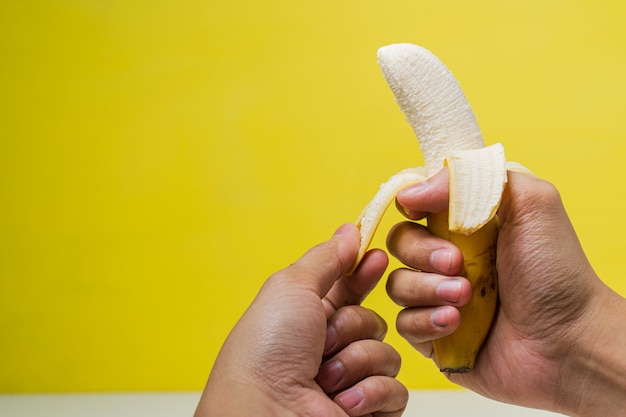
(372, 214)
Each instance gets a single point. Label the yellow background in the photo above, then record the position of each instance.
(159, 159)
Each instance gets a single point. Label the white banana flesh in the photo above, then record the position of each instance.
(432, 101)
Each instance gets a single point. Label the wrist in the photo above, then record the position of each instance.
(593, 380)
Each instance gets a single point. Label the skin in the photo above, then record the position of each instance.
(305, 347)
(558, 337)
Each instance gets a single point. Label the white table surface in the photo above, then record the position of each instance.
(421, 404)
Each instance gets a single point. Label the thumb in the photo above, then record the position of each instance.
(323, 264)
(429, 196)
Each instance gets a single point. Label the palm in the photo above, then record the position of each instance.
(525, 332)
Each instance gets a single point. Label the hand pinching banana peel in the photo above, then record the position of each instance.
(448, 135)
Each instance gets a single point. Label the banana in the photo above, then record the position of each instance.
(443, 121)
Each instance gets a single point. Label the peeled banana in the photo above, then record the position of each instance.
(448, 135)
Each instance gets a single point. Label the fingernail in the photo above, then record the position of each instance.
(330, 374)
(440, 317)
(450, 290)
(343, 229)
(441, 260)
(350, 399)
(407, 212)
(331, 339)
(415, 188)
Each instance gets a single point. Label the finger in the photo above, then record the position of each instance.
(420, 326)
(376, 395)
(352, 289)
(352, 323)
(322, 265)
(413, 245)
(356, 362)
(409, 288)
(430, 196)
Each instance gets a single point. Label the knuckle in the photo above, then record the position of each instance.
(416, 326)
(363, 351)
(533, 194)
(350, 317)
(359, 323)
(542, 193)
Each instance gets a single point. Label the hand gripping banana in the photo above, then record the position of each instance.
(448, 135)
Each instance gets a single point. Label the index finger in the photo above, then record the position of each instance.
(352, 289)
